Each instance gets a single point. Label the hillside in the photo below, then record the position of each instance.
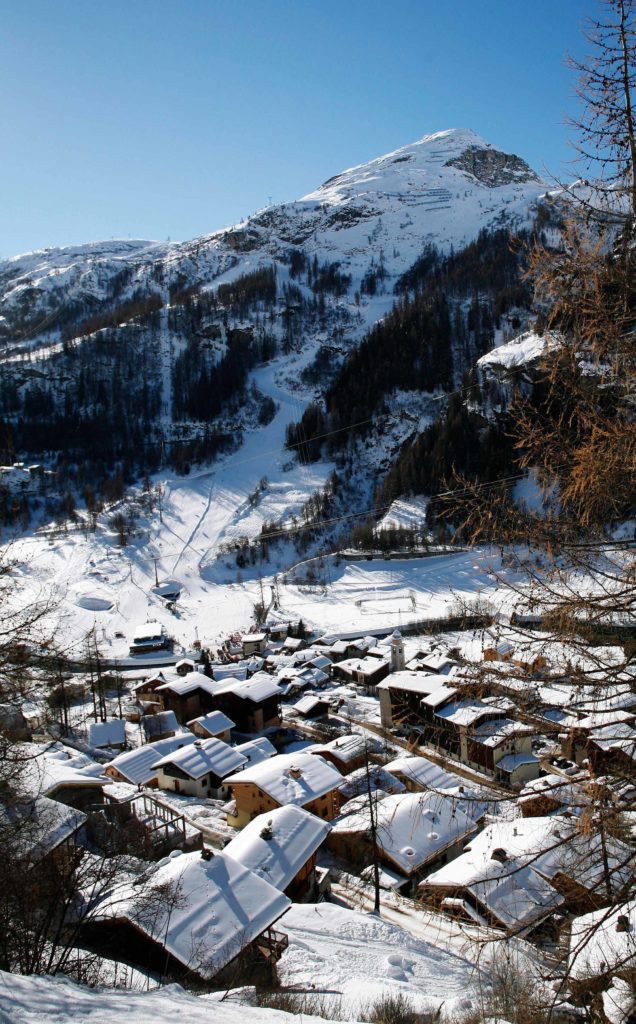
(120, 357)
(130, 359)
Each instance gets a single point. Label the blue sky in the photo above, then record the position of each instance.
(171, 118)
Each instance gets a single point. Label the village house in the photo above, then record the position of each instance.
(311, 706)
(63, 774)
(314, 658)
(360, 647)
(110, 734)
(401, 696)
(281, 847)
(44, 828)
(221, 673)
(293, 644)
(254, 704)
(612, 749)
(576, 730)
(415, 833)
(149, 637)
(145, 691)
(605, 739)
(336, 650)
(137, 766)
(345, 752)
(298, 778)
(503, 748)
(499, 650)
(253, 643)
(374, 777)
(184, 666)
(217, 927)
(437, 663)
(199, 769)
(188, 696)
(524, 657)
(476, 732)
(159, 726)
(256, 750)
(552, 794)
(366, 672)
(309, 676)
(514, 875)
(602, 955)
(215, 724)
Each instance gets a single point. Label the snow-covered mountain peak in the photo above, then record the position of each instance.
(441, 190)
(424, 163)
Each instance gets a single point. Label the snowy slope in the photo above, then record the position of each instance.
(37, 1000)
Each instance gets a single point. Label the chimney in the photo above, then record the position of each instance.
(206, 854)
(499, 854)
(267, 832)
(622, 923)
(295, 773)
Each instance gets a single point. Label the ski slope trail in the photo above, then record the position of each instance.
(227, 492)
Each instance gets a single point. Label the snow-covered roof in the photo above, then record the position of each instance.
(601, 718)
(41, 825)
(357, 782)
(159, 724)
(258, 688)
(466, 712)
(276, 845)
(204, 756)
(603, 942)
(137, 766)
(307, 704)
(411, 682)
(107, 734)
(545, 846)
(562, 790)
(220, 672)
(344, 748)
(320, 661)
(291, 778)
(438, 696)
(219, 908)
(387, 878)
(312, 676)
(363, 666)
(292, 643)
(423, 772)
(513, 761)
(214, 723)
(257, 750)
(620, 737)
(437, 663)
(183, 685)
(149, 631)
(491, 734)
(53, 766)
(412, 828)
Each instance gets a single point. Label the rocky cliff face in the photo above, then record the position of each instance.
(493, 168)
